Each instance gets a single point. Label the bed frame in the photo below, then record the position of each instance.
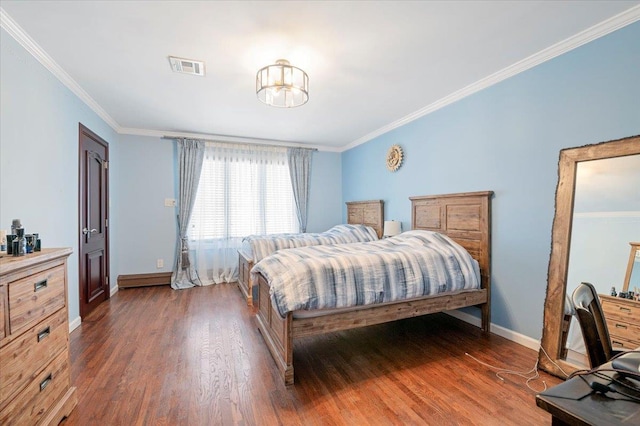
(465, 217)
(369, 213)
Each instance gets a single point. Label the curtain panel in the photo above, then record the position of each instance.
(300, 171)
(244, 190)
(190, 155)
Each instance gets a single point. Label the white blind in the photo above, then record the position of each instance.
(243, 190)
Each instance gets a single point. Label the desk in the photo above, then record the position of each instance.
(575, 403)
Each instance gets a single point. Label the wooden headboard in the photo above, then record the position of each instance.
(464, 217)
(369, 213)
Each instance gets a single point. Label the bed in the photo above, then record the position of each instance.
(367, 213)
(465, 218)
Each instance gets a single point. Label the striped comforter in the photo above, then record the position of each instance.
(260, 246)
(412, 264)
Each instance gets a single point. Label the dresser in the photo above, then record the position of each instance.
(623, 321)
(35, 381)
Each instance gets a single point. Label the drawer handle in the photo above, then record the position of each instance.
(40, 285)
(44, 333)
(622, 308)
(620, 344)
(621, 326)
(45, 382)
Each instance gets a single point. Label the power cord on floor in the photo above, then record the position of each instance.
(530, 375)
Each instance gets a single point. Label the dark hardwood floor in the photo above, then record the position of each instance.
(156, 356)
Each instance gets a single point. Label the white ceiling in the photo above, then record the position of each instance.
(372, 65)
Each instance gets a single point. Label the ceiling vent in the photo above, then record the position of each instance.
(187, 66)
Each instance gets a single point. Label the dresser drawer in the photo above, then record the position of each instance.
(621, 309)
(621, 342)
(25, 356)
(40, 394)
(624, 330)
(35, 297)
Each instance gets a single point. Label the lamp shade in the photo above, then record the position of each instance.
(391, 228)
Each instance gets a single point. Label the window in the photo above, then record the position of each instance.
(243, 190)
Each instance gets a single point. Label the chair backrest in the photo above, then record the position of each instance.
(592, 323)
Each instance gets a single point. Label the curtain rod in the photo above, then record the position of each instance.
(240, 143)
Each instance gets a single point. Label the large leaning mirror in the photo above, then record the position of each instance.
(597, 217)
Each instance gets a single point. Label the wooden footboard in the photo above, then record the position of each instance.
(276, 331)
(279, 333)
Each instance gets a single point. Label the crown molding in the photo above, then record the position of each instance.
(14, 30)
(599, 30)
(222, 138)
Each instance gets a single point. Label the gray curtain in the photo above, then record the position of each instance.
(300, 172)
(190, 156)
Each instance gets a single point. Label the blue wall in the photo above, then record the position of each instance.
(39, 132)
(147, 175)
(325, 203)
(507, 138)
(147, 230)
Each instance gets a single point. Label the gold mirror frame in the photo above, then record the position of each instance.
(550, 347)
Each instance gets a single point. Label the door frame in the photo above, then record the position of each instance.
(81, 186)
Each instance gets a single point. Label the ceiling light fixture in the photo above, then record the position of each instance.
(282, 85)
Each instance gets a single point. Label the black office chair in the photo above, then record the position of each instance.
(593, 325)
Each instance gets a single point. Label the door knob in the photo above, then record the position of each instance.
(86, 231)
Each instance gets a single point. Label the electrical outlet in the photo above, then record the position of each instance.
(160, 263)
(169, 202)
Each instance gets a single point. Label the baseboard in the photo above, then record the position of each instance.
(143, 280)
(521, 339)
(113, 291)
(75, 323)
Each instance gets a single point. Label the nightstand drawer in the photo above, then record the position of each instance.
(35, 297)
(24, 357)
(40, 394)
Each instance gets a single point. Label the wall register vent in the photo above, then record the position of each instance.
(187, 66)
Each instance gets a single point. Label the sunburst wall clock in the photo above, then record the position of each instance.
(394, 158)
